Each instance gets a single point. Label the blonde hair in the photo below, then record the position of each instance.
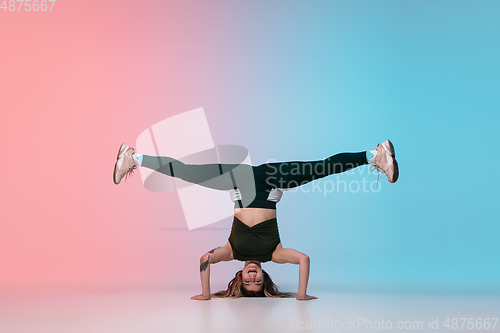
(235, 288)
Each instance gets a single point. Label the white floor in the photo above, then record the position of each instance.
(164, 311)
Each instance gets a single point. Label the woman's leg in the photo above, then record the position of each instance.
(207, 175)
(292, 174)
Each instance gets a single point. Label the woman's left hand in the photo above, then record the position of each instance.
(305, 298)
(201, 297)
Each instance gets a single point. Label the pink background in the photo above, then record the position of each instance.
(76, 83)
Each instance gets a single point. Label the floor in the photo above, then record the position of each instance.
(173, 311)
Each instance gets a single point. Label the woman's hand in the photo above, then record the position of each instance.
(201, 297)
(282, 256)
(305, 297)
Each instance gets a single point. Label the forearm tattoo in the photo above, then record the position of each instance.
(204, 265)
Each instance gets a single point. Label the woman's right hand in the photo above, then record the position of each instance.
(201, 297)
(305, 298)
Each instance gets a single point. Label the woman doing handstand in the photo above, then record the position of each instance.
(254, 236)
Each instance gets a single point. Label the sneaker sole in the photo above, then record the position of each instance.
(116, 172)
(389, 147)
(119, 160)
(395, 172)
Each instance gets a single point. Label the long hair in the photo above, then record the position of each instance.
(235, 288)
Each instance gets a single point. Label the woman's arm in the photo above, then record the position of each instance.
(222, 253)
(283, 256)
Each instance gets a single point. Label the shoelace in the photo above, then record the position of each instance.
(129, 172)
(377, 167)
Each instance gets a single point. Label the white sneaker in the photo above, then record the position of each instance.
(124, 163)
(385, 161)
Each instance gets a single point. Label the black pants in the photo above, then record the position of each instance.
(282, 175)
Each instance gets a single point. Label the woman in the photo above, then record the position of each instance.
(255, 190)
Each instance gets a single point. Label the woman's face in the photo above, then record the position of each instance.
(251, 276)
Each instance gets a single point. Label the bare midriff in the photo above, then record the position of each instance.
(253, 216)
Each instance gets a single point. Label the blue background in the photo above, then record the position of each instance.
(319, 78)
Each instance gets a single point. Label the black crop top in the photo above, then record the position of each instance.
(254, 243)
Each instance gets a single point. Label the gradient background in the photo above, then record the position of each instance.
(289, 80)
